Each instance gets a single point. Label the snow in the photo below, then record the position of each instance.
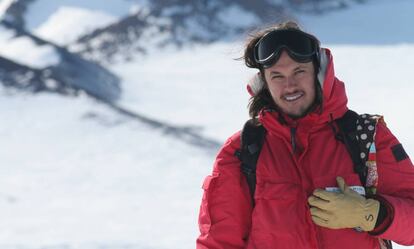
(4, 5)
(165, 76)
(40, 10)
(175, 10)
(104, 190)
(234, 16)
(77, 175)
(142, 7)
(23, 50)
(68, 23)
(196, 28)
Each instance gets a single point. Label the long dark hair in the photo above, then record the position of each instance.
(263, 98)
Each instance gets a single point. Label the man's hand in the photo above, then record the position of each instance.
(346, 209)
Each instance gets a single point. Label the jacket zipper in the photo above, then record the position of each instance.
(293, 139)
(316, 231)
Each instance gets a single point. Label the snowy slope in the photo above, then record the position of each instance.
(4, 5)
(41, 10)
(76, 175)
(29, 63)
(34, 55)
(73, 23)
(63, 21)
(173, 24)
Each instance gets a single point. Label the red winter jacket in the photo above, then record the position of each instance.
(285, 179)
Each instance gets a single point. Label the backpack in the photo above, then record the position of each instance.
(356, 132)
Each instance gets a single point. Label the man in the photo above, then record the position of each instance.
(307, 193)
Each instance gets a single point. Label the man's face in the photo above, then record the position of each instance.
(292, 85)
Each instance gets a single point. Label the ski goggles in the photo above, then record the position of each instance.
(300, 46)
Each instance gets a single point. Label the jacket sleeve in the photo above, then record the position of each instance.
(225, 211)
(395, 186)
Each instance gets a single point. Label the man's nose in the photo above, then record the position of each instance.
(290, 82)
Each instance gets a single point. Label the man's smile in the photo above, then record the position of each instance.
(293, 97)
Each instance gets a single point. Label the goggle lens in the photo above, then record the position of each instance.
(300, 46)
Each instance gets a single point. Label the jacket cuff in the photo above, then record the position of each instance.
(385, 216)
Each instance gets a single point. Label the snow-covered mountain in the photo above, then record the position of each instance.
(67, 32)
(14, 11)
(125, 29)
(164, 24)
(33, 64)
(159, 24)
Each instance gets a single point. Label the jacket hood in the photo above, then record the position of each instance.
(334, 99)
(334, 102)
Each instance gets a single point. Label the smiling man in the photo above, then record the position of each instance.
(291, 85)
(305, 172)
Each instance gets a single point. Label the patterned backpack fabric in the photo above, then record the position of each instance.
(366, 131)
(365, 134)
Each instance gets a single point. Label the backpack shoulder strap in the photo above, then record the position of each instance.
(348, 134)
(252, 138)
(358, 133)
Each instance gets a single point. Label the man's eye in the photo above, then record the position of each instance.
(277, 77)
(300, 71)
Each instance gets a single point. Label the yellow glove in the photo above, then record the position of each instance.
(346, 209)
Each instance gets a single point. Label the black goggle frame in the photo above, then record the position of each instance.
(300, 46)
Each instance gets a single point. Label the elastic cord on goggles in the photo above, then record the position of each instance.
(301, 46)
